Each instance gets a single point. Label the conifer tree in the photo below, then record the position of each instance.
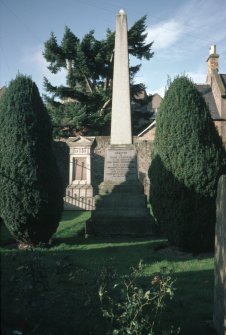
(89, 66)
(187, 161)
(31, 194)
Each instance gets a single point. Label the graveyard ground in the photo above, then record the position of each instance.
(55, 291)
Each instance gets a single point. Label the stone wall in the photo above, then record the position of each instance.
(149, 135)
(144, 148)
(219, 314)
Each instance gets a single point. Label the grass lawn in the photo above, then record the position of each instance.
(55, 291)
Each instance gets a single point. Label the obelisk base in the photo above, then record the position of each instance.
(121, 207)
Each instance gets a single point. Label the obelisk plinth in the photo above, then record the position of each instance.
(121, 132)
(121, 207)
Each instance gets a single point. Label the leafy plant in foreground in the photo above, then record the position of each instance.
(131, 308)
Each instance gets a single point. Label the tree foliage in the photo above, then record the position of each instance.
(89, 66)
(187, 161)
(31, 195)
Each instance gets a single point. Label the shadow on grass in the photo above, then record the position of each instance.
(71, 215)
(193, 302)
(55, 291)
(65, 294)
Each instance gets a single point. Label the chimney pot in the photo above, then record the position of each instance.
(213, 49)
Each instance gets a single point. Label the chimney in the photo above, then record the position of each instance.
(212, 60)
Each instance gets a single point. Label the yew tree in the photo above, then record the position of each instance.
(31, 193)
(187, 161)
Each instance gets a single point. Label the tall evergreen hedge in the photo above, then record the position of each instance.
(31, 193)
(187, 161)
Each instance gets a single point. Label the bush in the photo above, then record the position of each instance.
(131, 308)
(187, 161)
(31, 193)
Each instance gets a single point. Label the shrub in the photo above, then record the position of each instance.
(31, 193)
(187, 161)
(131, 308)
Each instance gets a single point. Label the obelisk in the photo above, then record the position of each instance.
(121, 132)
(121, 207)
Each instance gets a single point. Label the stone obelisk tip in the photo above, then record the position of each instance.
(122, 12)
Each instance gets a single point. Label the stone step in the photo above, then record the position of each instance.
(131, 188)
(114, 201)
(130, 226)
(120, 212)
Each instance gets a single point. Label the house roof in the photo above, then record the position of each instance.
(223, 79)
(207, 94)
(147, 128)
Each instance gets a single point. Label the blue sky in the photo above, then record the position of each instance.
(182, 31)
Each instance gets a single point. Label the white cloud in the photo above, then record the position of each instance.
(165, 34)
(33, 58)
(161, 91)
(195, 24)
(198, 78)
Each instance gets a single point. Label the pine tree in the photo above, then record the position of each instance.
(31, 194)
(89, 66)
(187, 161)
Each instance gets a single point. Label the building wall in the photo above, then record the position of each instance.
(221, 128)
(149, 135)
(221, 104)
(216, 93)
(156, 101)
(223, 123)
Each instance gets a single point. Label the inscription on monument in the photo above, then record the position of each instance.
(120, 165)
(83, 151)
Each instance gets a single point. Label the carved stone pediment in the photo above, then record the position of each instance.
(81, 141)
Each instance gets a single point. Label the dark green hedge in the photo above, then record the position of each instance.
(187, 161)
(31, 198)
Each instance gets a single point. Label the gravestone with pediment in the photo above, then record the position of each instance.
(121, 207)
(79, 193)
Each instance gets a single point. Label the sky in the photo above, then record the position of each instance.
(182, 31)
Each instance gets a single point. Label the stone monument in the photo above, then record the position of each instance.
(121, 207)
(79, 193)
(219, 310)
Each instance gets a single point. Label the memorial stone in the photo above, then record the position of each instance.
(219, 310)
(121, 207)
(79, 193)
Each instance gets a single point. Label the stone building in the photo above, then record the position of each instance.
(214, 93)
(144, 108)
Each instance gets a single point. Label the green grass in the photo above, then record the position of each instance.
(54, 291)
